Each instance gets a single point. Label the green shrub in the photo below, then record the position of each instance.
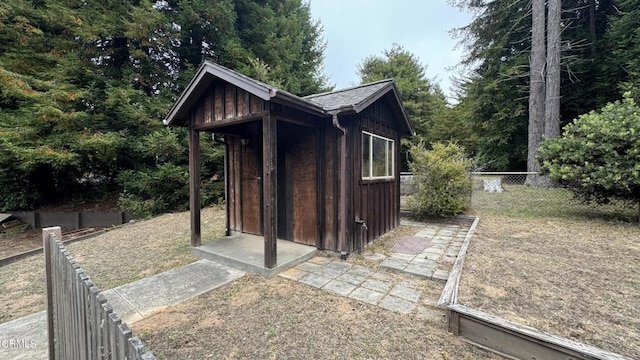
(441, 180)
(154, 190)
(598, 155)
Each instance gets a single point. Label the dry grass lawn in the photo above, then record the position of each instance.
(18, 240)
(254, 318)
(249, 318)
(122, 255)
(574, 276)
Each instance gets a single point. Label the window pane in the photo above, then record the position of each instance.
(379, 157)
(366, 158)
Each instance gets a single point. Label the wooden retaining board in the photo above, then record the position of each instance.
(450, 292)
(76, 220)
(517, 341)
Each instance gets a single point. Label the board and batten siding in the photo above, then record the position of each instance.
(376, 202)
(223, 101)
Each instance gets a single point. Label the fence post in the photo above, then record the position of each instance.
(46, 244)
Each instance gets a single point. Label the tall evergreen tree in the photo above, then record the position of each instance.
(282, 34)
(498, 44)
(419, 95)
(536, 87)
(84, 81)
(622, 44)
(493, 96)
(424, 101)
(552, 82)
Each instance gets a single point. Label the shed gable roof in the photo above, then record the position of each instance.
(354, 99)
(351, 98)
(205, 75)
(358, 98)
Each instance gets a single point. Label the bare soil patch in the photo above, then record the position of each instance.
(15, 241)
(119, 256)
(574, 277)
(254, 318)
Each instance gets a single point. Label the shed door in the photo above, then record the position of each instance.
(251, 185)
(297, 184)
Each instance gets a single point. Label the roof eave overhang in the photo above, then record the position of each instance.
(407, 124)
(200, 82)
(207, 72)
(391, 87)
(288, 99)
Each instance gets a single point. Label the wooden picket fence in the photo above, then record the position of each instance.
(81, 323)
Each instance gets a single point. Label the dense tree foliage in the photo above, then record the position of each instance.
(424, 101)
(417, 92)
(598, 155)
(599, 40)
(84, 85)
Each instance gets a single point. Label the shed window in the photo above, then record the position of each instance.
(377, 157)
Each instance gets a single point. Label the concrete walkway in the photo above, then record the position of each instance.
(26, 338)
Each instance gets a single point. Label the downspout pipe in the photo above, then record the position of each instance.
(227, 231)
(342, 203)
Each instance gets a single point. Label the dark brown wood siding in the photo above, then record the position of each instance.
(297, 183)
(250, 191)
(233, 197)
(376, 202)
(223, 101)
(303, 171)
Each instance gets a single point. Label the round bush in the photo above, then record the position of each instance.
(441, 180)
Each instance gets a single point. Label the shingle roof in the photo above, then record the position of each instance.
(349, 98)
(354, 99)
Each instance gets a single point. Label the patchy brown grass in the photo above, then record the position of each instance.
(254, 318)
(578, 278)
(122, 255)
(18, 240)
(384, 243)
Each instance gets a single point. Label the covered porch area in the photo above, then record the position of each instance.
(273, 216)
(246, 252)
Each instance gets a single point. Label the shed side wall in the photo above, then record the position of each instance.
(376, 202)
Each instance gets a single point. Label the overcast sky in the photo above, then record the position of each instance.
(355, 29)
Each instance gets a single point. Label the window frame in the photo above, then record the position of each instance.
(390, 155)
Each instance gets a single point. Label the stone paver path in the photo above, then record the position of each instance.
(435, 261)
(397, 282)
(387, 290)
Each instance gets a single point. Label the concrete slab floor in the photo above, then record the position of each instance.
(246, 252)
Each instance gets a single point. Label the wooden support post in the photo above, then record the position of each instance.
(269, 189)
(194, 185)
(227, 223)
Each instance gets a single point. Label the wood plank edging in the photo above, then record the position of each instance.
(501, 336)
(569, 349)
(449, 294)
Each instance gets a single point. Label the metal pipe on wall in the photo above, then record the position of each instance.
(342, 204)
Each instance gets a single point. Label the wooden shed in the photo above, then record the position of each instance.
(320, 170)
